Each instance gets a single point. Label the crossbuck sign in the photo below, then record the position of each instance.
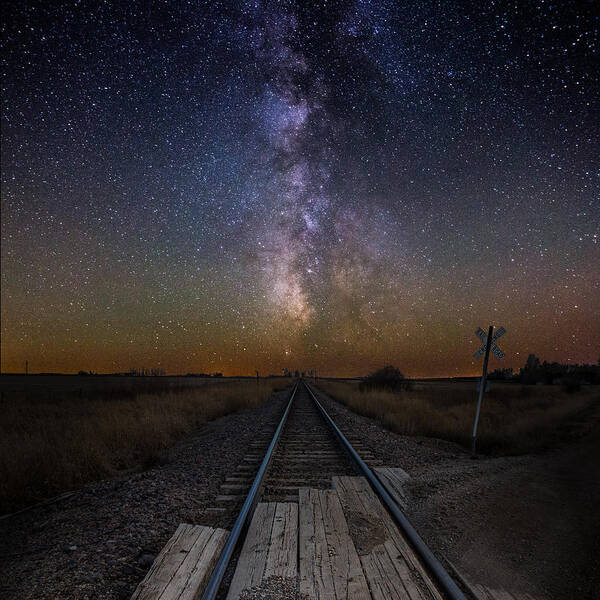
(482, 335)
(488, 345)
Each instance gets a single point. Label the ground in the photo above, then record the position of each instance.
(523, 523)
(527, 523)
(100, 542)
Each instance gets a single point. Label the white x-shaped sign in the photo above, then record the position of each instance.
(482, 335)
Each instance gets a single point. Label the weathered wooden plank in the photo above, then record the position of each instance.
(270, 549)
(394, 480)
(192, 576)
(348, 577)
(169, 560)
(329, 565)
(183, 566)
(230, 497)
(413, 573)
(391, 567)
(235, 487)
(370, 537)
(316, 578)
(253, 558)
(282, 559)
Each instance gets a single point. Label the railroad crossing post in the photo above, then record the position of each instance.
(481, 388)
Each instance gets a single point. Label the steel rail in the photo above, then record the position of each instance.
(217, 575)
(443, 578)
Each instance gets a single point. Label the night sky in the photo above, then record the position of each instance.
(230, 186)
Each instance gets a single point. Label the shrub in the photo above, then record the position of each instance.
(389, 378)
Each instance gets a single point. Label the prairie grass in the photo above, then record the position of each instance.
(514, 419)
(48, 446)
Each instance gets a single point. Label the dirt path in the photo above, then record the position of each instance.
(527, 524)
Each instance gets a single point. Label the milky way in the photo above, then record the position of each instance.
(269, 185)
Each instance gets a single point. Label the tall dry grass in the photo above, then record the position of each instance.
(48, 446)
(514, 419)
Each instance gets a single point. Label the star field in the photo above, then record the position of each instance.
(332, 185)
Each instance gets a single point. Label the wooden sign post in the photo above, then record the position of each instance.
(489, 345)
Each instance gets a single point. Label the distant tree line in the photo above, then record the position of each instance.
(204, 375)
(288, 373)
(571, 377)
(143, 372)
(551, 373)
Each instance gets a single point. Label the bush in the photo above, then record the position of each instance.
(389, 378)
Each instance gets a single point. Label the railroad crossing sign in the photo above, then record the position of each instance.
(488, 345)
(482, 335)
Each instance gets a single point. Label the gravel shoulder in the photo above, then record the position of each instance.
(100, 542)
(523, 524)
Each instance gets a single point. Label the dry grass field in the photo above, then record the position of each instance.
(50, 443)
(515, 419)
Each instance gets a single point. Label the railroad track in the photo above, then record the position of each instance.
(307, 452)
(307, 455)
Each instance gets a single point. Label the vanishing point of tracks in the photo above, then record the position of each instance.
(307, 454)
(307, 451)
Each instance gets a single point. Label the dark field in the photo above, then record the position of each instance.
(60, 432)
(515, 419)
(74, 386)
